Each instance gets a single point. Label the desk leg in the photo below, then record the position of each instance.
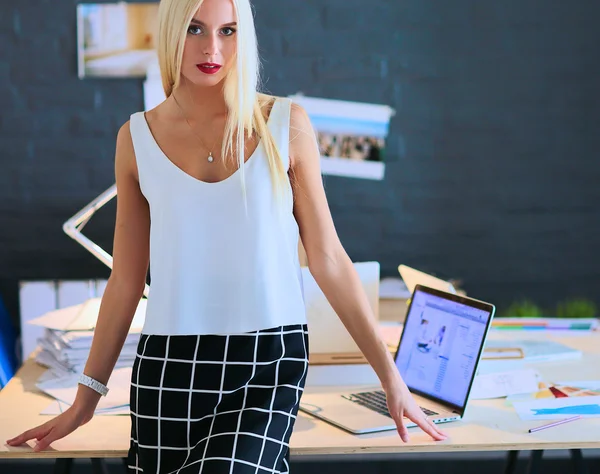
(579, 465)
(535, 461)
(63, 466)
(99, 466)
(511, 462)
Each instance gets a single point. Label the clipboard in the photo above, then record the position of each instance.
(502, 353)
(342, 358)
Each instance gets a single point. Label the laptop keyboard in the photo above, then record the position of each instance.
(375, 401)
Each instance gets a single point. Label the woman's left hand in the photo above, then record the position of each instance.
(401, 404)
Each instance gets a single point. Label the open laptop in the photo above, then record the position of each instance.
(437, 356)
(413, 277)
(326, 333)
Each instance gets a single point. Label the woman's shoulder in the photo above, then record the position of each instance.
(303, 139)
(298, 114)
(138, 122)
(156, 113)
(267, 100)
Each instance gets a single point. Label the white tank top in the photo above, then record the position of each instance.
(214, 268)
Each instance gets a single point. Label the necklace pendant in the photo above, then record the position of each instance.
(210, 158)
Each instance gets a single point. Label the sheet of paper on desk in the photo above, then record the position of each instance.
(499, 365)
(65, 389)
(557, 408)
(533, 350)
(583, 384)
(57, 407)
(502, 384)
(558, 390)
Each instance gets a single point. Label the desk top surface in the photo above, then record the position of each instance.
(489, 425)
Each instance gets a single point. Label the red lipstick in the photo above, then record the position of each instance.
(209, 68)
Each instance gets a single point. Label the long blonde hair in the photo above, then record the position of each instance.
(244, 102)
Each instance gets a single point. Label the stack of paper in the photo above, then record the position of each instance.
(65, 347)
(83, 317)
(67, 351)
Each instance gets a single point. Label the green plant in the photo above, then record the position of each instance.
(525, 309)
(576, 308)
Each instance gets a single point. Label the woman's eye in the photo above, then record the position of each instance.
(194, 30)
(228, 31)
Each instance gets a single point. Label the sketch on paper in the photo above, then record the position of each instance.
(556, 408)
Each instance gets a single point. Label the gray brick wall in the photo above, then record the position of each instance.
(493, 155)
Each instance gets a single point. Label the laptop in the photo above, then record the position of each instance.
(413, 277)
(437, 356)
(326, 333)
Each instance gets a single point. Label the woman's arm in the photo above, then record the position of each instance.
(335, 274)
(122, 295)
(128, 276)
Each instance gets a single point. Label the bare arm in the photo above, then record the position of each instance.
(327, 260)
(335, 274)
(119, 302)
(130, 265)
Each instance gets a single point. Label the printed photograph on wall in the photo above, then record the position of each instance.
(116, 39)
(351, 135)
(358, 148)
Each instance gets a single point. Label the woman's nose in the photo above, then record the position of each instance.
(212, 47)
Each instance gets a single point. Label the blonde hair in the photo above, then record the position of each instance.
(245, 104)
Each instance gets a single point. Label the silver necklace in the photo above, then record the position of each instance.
(210, 157)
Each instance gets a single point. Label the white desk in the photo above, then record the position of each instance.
(488, 426)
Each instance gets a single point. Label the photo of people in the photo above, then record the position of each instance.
(358, 148)
(116, 39)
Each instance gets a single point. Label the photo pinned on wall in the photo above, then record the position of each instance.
(116, 39)
(352, 147)
(351, 135)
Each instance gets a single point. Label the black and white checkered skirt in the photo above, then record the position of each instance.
(216, 404)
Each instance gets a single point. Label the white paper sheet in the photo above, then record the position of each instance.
(65, 389)
(583, 384)
(499, 365)
(557, 408)
(57, 407)
(502, 384)
(533, 350)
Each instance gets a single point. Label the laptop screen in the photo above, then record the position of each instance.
(441, 345)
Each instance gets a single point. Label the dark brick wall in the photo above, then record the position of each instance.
(493, 155)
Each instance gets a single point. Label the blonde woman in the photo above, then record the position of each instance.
(215, 187)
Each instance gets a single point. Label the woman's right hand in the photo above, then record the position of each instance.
(57, 428)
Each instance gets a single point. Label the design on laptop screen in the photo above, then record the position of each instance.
(440, 346)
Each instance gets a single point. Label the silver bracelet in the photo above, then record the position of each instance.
(93, 384)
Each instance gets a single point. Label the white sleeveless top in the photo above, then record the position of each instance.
(214, 268)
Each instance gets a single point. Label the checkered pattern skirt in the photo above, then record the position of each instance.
(216, 403)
